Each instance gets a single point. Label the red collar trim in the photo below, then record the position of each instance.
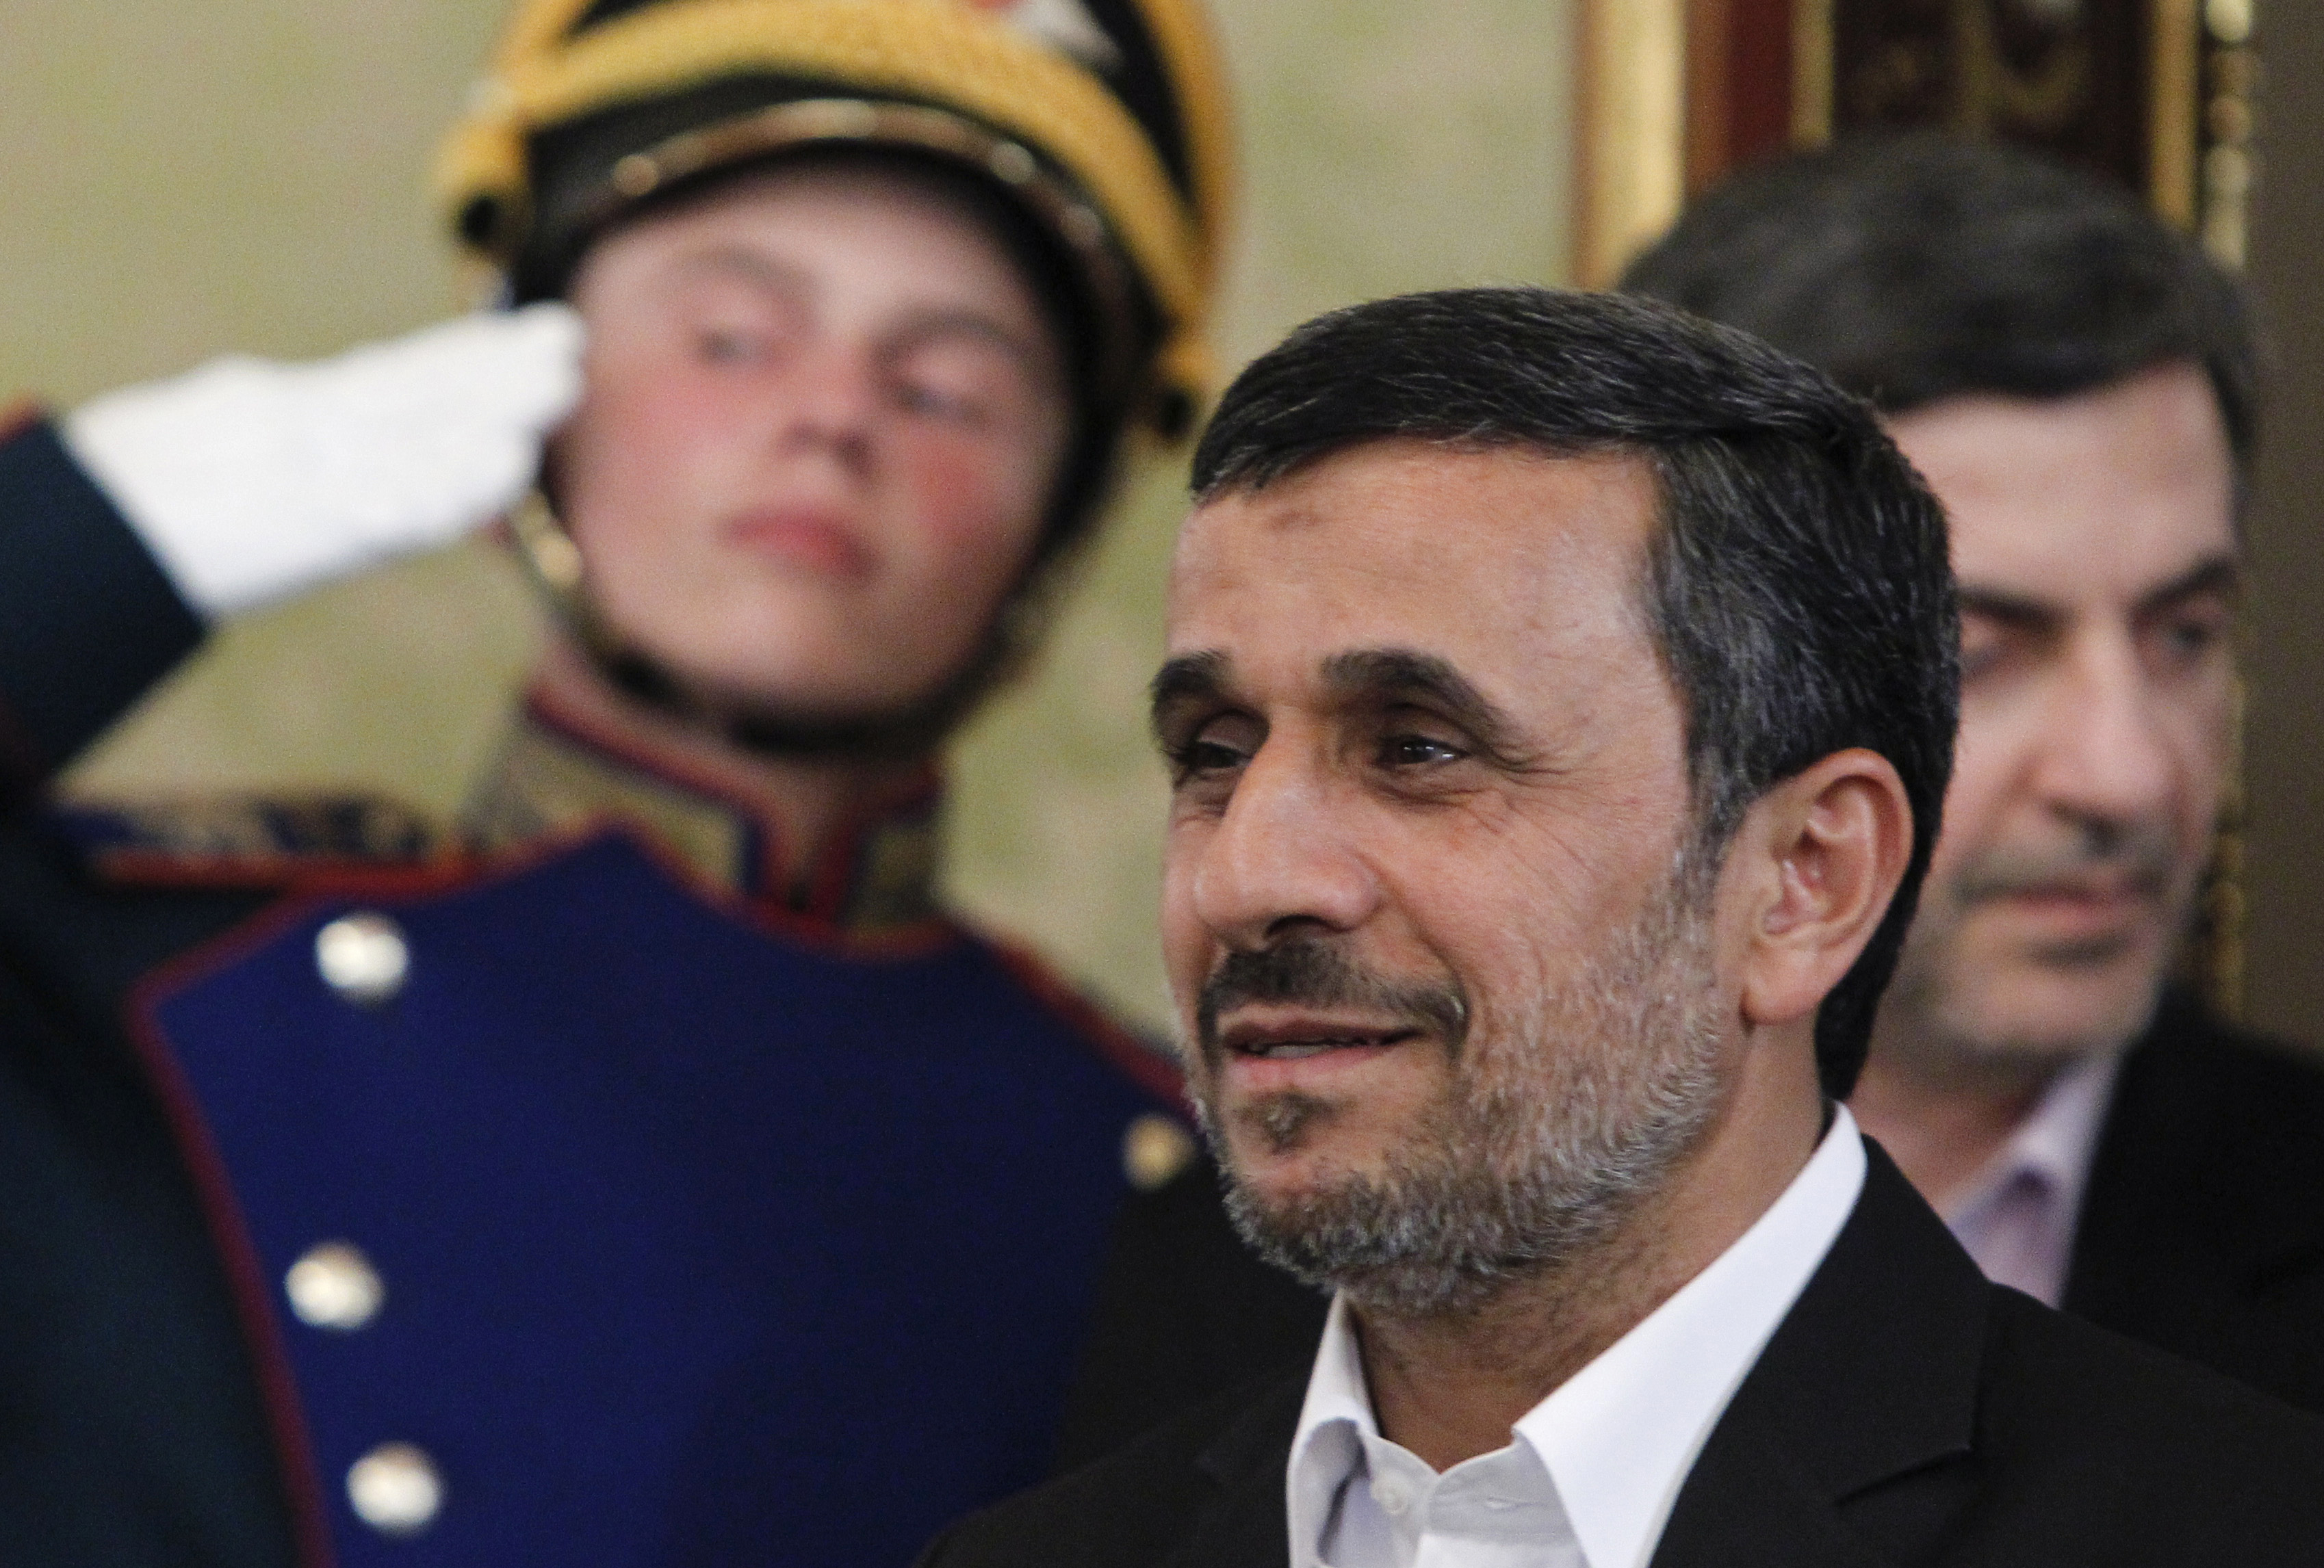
(829, 880)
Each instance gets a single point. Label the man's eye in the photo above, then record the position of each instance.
(2187, 641)
(1418, 751)
(1987, 648)
(1205, 757)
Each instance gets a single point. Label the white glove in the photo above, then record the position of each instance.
(251, 481)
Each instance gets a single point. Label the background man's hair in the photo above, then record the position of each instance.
(1913, 268)
(1796, 582)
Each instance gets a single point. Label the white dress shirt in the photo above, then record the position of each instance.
(2017, 1218)
(1591, 1471)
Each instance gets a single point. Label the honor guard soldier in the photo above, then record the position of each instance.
(646, 1170)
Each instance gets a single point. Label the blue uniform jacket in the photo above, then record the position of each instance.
(556, 1194)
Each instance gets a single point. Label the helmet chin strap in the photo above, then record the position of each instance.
(552, 563)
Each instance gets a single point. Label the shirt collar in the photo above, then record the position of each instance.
(1619, 1437)
(2058, 1137)
(1327, 1445)
(2018, 1215)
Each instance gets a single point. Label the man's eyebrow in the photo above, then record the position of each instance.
(1384, 675)
(2017, 609)
(1188, 678)
(2221, 574)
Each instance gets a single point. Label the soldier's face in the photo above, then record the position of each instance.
(2094, 540)
(824, 415)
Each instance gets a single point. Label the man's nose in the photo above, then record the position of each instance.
(1283, 859)
(2107, 749)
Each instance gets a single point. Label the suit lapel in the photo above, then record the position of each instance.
(1871, 1377)
(1747, 1502)
(1244, 1524)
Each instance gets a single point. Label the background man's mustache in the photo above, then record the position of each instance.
(2142, 855)
(1312, 973)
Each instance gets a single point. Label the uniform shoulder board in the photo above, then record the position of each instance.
(252, 840)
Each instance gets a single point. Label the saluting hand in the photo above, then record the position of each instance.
(253, 481)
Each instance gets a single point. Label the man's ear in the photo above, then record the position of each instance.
(1822, 853)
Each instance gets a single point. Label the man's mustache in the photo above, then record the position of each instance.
(2138, 856)
(1312, 973)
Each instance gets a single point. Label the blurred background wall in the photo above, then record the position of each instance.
(180, 181)
(2283, 637)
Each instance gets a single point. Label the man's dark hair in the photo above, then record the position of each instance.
(1796, 582)
(1913, 268)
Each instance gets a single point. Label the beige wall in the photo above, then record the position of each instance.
(247, 174)
(2283, 980)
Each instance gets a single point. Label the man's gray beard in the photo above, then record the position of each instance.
(1548, 1139)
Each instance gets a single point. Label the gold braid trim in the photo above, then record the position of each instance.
(940, 54)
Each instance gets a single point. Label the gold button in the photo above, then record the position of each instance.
(363, 957)
(1154, 1149)
(334, 1286)
(395, 1489)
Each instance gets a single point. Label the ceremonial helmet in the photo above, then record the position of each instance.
(1101, 122)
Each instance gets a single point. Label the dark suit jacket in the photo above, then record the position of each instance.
(2202, 1233)
(2202, 1229)
(1904, 1412)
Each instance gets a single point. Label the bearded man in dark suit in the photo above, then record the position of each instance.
(1560, 698)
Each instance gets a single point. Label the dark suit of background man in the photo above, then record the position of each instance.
(1560, 698)
(2077, 382)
